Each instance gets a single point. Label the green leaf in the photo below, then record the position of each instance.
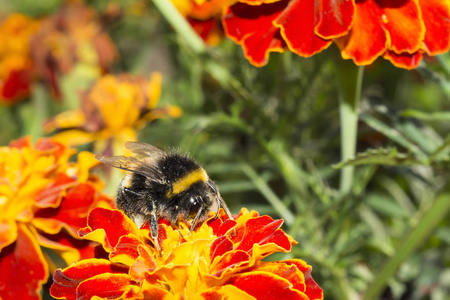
(393, 134)
(385, 205)
(425, 116)
(381, 156)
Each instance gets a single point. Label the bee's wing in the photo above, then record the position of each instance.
(143, 149)
(135, 165)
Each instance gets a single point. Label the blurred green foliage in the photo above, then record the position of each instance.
(270, 138)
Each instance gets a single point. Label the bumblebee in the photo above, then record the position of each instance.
(157, 185)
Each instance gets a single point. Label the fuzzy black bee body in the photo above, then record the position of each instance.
(164, 185)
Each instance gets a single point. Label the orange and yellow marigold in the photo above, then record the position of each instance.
(111, 112)
(221, 258)
(44, 201)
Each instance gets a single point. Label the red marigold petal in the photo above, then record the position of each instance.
(111, 225)
(436, 16)
(262, 230)
(300, 36)
(220, 246)
(313, 290)
(229, 261)
(335, 18)
(404, 60)
(264, 285)
(252, 27)
(220, 227)
(65, 282)
(23, 267)
(109, 286)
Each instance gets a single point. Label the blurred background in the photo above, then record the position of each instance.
(94, 74)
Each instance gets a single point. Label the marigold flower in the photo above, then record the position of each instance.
(399, 30)
(73, 35)
(44, 201)
(111, 111)
(15, 60)
(219, 260)
(204, 17)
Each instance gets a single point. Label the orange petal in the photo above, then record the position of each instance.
(144, 263)
(265, 286)
(153, 292)
(65, 282)
(436, 16)
(23, 267)
(52, 195)
(8, 232)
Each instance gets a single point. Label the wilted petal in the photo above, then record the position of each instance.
(23, 267)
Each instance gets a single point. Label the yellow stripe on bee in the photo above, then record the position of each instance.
(185, 182)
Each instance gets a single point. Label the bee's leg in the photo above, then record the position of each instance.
(197, 216)
(131, 192)
(222, 204)
(154, 224)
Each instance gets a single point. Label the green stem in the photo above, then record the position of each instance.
(180, 25)
(273, 199)
(429, 221)
(349, 80)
